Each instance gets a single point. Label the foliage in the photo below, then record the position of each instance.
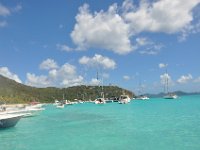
(13, 92)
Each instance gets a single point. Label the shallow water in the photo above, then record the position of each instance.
(155, 124)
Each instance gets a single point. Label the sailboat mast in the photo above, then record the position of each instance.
(166, 82)
(97, 76)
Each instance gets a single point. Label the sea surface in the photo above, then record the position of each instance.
(155, 124)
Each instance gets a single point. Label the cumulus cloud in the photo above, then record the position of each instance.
(98, 61)
(72, 82)
(162, 65)
(37, 81)
(104, 29)
(113, 29)
(161, 16)
(7, 73)
(60, 76)
(185, 79)
(48, 64)
(67, 70)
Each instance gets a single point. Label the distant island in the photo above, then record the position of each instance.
(179, 93)
(13, 92)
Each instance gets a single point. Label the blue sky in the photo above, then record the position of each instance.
(130, 43)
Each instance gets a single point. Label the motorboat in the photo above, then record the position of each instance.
(26, 111)
(142, 97)
(99, 101)
(124, 99)
(60, 105)
(56, 102)
(9, 120)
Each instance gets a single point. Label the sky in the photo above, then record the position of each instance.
(133, 44)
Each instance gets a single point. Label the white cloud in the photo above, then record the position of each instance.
(37, 81)
(189, 29)
(113, 29)
(7, 73)
(125, 77)
(185, 78)
(64, 47)
(67, 76)
(4, 11)
(63, 76)
(162, 65)
(161, 16)
(147, 46)
(142, 41)
(53, 73)
(72, 82)
(67, 70)
(94, 82)
(98, 61)
(149, 52)
(48, 64)
(104, 29)
(127, 6)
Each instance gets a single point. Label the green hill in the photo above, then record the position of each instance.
(13, 92)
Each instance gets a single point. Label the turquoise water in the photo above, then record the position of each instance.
(156, 124)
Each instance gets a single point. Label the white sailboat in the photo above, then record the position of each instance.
(168, 95)
(100, 100)
(140, 95)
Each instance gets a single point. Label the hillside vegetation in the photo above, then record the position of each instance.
(13, 92)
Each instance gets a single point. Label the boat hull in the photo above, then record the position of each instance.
(170, 97)
(9, 121)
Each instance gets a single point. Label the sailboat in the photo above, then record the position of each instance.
(141, 96)
(168, 95)
(100, 100)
